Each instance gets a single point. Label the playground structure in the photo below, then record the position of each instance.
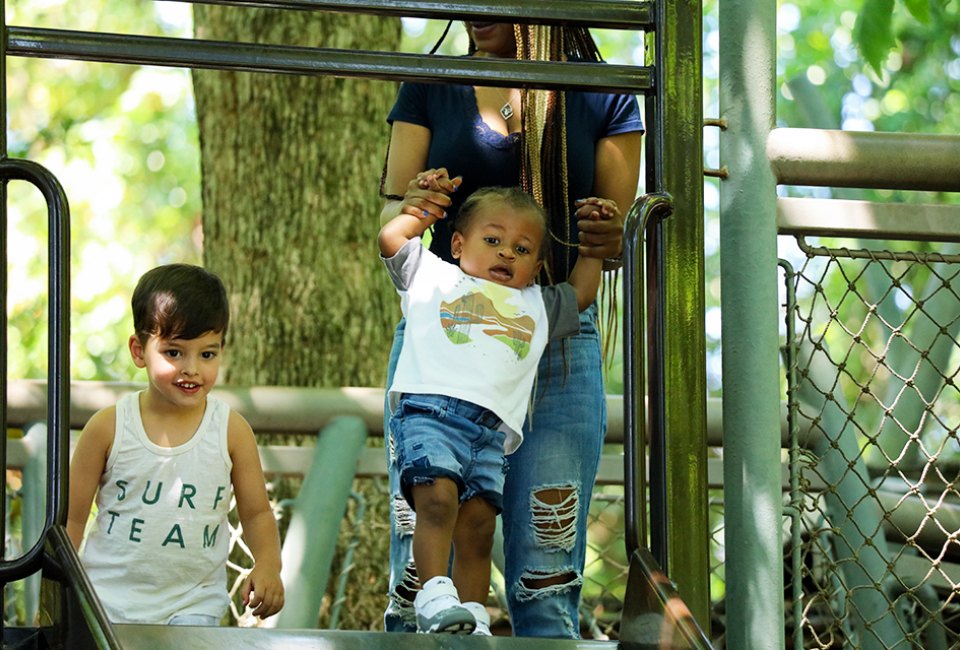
(871, 509)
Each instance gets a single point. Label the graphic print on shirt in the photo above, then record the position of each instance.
(182, 532)
(488, 309)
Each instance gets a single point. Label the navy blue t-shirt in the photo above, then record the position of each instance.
(463, 143)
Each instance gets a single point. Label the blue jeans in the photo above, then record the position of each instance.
(546, 494)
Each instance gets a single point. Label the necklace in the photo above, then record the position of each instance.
(506, 111)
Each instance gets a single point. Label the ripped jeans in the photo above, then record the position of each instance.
(546, 494)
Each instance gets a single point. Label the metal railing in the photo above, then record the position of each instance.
(58, 374)
(641, 420)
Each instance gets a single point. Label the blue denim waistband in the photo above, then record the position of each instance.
(465, 409)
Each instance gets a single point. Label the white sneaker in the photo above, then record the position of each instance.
(482, 617)
(439, 609)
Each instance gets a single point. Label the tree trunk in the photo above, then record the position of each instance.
(290, 170)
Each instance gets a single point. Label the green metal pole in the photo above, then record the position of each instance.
(312, 536)
(748, 285)
(685, 382)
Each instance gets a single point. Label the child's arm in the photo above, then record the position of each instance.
(263, 589)
(404, 227)
(86, 468)
(587, 271)
(585, 279)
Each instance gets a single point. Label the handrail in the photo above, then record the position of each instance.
(610, 14)
(809, 217)
(63, 560)
(288, 59)
(833, 158)
(58, 373)
(646, 210)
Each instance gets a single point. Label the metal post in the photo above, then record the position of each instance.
(748, 284)
(680, 61)
(312, 536)
(3, 279)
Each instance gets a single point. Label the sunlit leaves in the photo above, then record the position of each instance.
(122, 141)
(919, 9)
(874, 31)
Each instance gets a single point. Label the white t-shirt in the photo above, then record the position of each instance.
(473, 339)
(159, 544)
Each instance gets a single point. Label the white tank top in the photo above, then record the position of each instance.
(159, 544)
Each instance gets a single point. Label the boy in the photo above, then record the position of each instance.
(473, 338)
(162, 463)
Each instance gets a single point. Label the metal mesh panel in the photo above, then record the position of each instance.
(605, 572)
(605, 569)
(718, 585)
(875, 459)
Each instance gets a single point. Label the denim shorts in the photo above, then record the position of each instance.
(439, 436)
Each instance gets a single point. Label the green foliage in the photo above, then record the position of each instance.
(919, 9)
(874, 31)
(123, 142)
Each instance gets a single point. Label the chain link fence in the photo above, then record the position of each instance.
(874, 500)
(604, 581)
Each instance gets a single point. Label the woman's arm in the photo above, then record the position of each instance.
(263, 589)
(406, 168)
(617, 172)
(86, 469)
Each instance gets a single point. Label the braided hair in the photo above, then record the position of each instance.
(543, 164)
(543, 134)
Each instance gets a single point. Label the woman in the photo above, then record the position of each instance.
(493, 136)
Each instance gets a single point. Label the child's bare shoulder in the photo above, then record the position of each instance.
(103, 422)
(100, 429)
(239, 431)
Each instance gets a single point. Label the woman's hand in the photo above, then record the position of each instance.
(601, 228)
(428, 194)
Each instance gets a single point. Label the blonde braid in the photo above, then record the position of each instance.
(544, 172)
(543, 168)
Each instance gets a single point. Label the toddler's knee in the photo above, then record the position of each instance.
(475, 541)
(481, 524)
(436, 502)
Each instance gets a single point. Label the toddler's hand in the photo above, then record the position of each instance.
(263, 592)
(428, 193)
(438, 180)
(601, 227)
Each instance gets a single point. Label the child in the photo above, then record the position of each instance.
(473, 339)
(162, 463)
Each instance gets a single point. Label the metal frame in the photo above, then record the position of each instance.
(674, 334)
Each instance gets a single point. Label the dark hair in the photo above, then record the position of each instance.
(514, 197)
(179, 301)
